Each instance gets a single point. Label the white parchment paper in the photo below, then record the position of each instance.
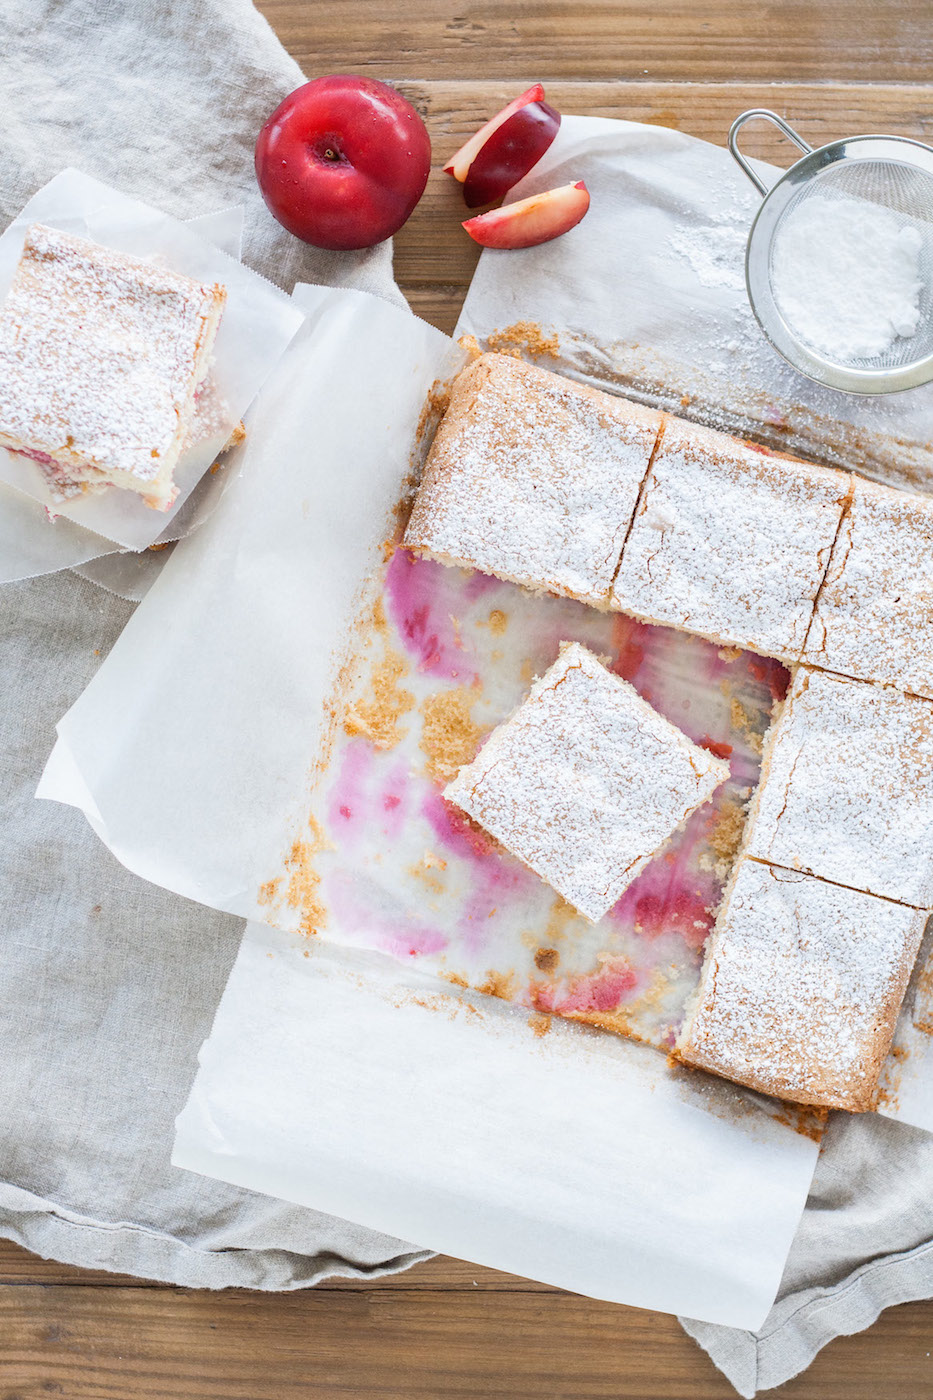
(346, 1082)
(193, 754)
(258, 322)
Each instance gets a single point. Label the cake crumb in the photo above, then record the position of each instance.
(302, 892)
(377, 719)
(524, 336)
(449, 738)
(743, 722)
(498, 984)
(726, 835)
(539, 1023)
(546, 960)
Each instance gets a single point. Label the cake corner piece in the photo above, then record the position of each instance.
(801, 987)
(101, 356)
(533, 478)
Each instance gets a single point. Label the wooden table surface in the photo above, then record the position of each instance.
(448, 1329)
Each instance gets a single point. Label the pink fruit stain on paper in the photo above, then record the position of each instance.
(602, 991)
(420, 596)
(363, 796)
(403, 938)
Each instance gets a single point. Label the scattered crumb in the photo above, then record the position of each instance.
(540, 1023)
(729, 653)
(456, 979)
(422, 873)
(560, 916)
(303, 880)
(432, 862)
(377, 719)
(154, 548)
(498, 984)
(269, 892)
(743, 722)
(449, 737)
(498, 622)
(470, 344)
(726, 835)
(435, 406)
(808, 1122)
(524, 336)
(546, 960)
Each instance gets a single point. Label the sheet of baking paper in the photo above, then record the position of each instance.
(219, 713)
(31, 543)
(257, 325)
(193, 754)
(347, 1083)
(647, 295)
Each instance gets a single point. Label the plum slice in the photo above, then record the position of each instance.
(497, 156)
(530, 221)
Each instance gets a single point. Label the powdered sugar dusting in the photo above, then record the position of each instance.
(847, 792)
(874, 615)
(585, 782)
(533, 478)
(801, 987)
(730, 542)
(715, 253)
(100, 356)
(846, 276)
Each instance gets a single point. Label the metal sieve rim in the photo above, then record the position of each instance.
(902, 150)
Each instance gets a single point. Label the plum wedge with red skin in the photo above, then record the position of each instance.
(504, 150)
(509, 152)
(528, 222)
(459, 164)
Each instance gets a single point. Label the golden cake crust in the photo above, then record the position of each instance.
(533, 478)
(801, 987)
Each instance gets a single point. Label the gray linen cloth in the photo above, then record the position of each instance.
(109, 984)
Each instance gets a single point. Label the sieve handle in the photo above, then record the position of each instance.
(781, 125)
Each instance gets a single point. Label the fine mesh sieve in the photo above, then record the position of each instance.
(890, 172)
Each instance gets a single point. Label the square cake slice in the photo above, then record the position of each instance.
(585, 782)
(730, 542)
(801, 987)
(847, 788)
(874, 615)
(533, 478)
(100, 358)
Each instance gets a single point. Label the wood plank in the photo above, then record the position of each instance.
(397, 1344)
(526, 40)
(434, 258)
(20, 1268)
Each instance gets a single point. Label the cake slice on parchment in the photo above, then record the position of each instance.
(533, 478)
(874, 615)
(730, 542)
(801, 987)
(585, 782)
(846, 789)
(101, 356)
